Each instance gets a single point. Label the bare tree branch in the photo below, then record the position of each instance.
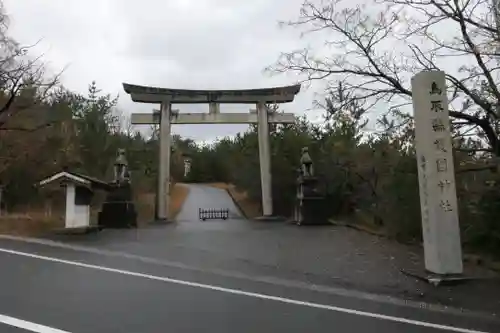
(373, 50)
(19, 73)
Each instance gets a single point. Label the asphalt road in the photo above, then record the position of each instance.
(67, 290)
(58, 288)
(206, 197)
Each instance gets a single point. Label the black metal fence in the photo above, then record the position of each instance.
(213, 214)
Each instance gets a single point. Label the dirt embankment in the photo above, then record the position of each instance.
(145, 203)
(248, 207)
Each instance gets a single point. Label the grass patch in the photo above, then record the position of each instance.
(32, 223)
(177, 198)
(250, 208)
(145, 203)
(145, 207)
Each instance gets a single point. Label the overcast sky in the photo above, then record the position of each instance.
(197, 44)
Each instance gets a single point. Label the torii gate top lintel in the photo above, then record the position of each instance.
(145, 94)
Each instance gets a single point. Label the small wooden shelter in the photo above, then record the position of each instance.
(79, 192)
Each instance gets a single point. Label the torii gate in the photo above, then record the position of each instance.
(165, 117)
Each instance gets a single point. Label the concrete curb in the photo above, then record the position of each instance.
(270, 219)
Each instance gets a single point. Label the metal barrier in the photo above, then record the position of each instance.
(213, 214)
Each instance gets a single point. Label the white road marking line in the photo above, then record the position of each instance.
(246, 293)
(29, 326)
(434, 307)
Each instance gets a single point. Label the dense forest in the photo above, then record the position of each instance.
(369, 177)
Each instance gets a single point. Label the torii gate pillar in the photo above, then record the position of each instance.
(163, 191)
(265, 159)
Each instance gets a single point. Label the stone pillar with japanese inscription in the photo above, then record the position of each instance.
(438, 198)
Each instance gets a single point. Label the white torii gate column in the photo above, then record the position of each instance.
(163, 195)
(265, 159)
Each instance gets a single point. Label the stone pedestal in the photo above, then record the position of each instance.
(309, 207)
(118, 211)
